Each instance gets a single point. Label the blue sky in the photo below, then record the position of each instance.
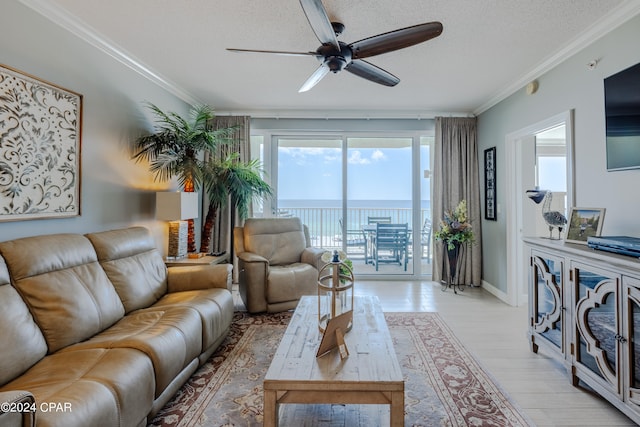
(314, 173)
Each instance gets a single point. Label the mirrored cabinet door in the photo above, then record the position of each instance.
(597, 313)
(547, 299)
(632, 329)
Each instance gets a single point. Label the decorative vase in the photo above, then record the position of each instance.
(454, 255)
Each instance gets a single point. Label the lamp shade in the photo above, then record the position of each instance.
(176, 205)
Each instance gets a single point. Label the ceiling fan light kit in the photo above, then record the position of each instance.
(335, 56)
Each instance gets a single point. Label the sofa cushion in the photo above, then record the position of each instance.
(215, 307)
(279, 240)
(60, 279)
(91, 387)
(170, 337)
(134, 265)
(290, 282)
(17, 327)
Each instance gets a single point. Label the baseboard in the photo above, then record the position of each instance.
(501, 295)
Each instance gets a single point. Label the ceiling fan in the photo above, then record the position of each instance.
(336, 56)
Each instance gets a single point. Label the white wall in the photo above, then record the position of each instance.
(115, 192)
(571, 85)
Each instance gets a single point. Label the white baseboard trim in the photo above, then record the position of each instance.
(501, 295)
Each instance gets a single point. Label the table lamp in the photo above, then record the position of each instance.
(176, 207)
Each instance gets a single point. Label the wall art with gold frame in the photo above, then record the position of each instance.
(40, 141)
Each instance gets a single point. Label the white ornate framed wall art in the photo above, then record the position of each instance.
(40, 141)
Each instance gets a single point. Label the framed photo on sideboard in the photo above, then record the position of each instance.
(583, 223)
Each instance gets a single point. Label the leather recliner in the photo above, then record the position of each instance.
(276, 263)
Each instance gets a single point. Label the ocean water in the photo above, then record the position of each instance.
(324, 217)
(308, 203)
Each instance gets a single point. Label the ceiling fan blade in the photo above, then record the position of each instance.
(317, 75)
(394, 40)
(369, 71)
(277, 52)
(319, 21)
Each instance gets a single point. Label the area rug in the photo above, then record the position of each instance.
(444, 384)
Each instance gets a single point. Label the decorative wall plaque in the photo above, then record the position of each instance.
(40, 135)
(490, 184)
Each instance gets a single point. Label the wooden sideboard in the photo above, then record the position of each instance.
(584, 309)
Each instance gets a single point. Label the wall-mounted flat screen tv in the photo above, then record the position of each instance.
(622, 110)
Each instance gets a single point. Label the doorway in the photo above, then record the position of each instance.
(540, 155)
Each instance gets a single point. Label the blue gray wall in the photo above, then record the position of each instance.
(115, 192)
(569, 86)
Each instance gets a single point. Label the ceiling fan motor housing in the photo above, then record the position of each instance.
(335, 59)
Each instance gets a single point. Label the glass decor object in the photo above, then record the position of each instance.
(335, 289)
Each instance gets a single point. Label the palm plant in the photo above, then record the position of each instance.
(231, 181)
(172, 151)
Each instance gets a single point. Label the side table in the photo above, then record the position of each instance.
(205, 260)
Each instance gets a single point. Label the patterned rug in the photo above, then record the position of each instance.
(444, 384)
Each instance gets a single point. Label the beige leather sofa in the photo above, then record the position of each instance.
(276, 263)
(96, 331)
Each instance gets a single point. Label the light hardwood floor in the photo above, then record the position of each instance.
(495, 333)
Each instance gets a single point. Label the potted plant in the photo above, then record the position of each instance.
(231, 181)
(455, 230)
(174, 150)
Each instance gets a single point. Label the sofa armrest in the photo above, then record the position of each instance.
(197, 277)
(17, 408)
(312, 257)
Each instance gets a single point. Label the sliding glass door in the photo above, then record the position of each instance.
(341, 185)
(309, 185)
(379, 190)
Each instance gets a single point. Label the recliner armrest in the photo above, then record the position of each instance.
(251, 257)
(17, 408)
(252, 281)
(191, 278)
(312, 257)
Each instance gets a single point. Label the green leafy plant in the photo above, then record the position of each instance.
(455, 227)
(231, 181)
(174, 151)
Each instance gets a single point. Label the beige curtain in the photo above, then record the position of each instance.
(222, 234)
(456, 177)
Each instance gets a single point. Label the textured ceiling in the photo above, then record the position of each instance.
(488, 49)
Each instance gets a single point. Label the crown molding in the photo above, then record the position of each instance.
(61, 17)
(343, 114)
(614, 19)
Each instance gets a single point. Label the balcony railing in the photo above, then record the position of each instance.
(325, 225)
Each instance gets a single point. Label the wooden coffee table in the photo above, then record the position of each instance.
(369, 375)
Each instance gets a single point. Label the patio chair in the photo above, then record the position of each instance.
(377, 219)
(391, 244)
(369, 236)
(355, 238)
(276, 263)
(425, 239)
